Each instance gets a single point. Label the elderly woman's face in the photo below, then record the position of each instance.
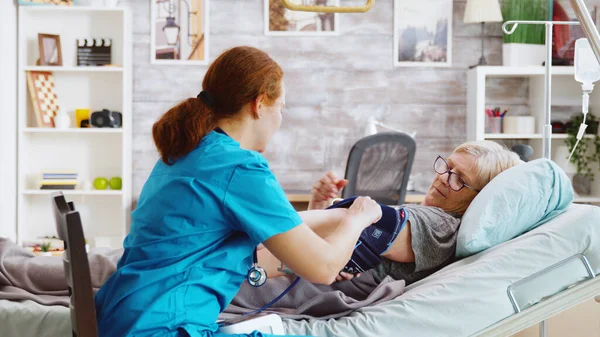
(442, 192)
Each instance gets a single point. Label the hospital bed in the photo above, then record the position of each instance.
(540, 273)
(545, 270)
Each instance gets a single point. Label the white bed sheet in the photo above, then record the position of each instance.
(471, 294)
(460, 300)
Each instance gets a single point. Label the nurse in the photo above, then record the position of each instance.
(209, 201)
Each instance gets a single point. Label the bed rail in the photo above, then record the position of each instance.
(581, 286)
(529, 286)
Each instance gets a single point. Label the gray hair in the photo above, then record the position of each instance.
(491, 159)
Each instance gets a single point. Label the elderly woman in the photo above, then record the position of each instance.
(428, 241)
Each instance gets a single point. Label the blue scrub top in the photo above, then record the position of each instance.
(191, 241)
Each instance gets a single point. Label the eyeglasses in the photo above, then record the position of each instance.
(454, 180)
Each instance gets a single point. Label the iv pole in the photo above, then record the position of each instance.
(547, 131)
(591, 32)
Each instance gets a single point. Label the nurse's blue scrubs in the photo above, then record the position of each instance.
(192, 236)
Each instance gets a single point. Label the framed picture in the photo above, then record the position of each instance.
(47, 2)
(50, 51)
(422, 34)
(179, 32)
(283, 22)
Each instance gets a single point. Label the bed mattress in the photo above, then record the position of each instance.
(471, 294)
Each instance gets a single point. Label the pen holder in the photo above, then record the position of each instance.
(494, 125)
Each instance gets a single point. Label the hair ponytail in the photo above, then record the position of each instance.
(181, 129)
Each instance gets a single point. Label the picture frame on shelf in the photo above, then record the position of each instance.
(179, 32)
(422, 34)
(50, 50)
(47, 2)
(280, 21)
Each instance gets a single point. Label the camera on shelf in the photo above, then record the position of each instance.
(106, 119)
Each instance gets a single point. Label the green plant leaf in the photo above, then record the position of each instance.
(534, 10)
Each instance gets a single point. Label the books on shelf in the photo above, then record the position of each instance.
(59, 181)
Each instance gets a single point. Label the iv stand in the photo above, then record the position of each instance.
(547, 131)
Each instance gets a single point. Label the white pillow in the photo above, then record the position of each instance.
(514, 202)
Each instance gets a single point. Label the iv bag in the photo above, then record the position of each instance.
(587, 69)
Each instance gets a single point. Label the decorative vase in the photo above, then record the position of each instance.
(523, 54)
(582, 184)
(62, 120)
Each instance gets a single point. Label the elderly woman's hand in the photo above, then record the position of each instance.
(326, 189)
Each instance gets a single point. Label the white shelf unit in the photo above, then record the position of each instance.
(91, 152)
(565, 92)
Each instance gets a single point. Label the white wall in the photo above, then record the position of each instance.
(8, 119)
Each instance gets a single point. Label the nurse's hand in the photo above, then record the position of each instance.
(342, 276)
(366, 208)
(326, 189)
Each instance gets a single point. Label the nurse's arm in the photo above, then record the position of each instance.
(313, 258)
(323, 222)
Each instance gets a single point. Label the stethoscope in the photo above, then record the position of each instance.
(256, 276)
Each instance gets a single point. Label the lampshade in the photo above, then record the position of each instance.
(482, 11)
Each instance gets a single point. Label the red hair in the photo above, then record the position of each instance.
(235, 78)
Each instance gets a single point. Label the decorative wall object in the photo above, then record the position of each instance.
(50, 51)
(179, 32)
(422, 34)
(94, 52)
(43, 97)
(281, 21)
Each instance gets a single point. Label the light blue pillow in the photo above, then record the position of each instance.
(514, 202)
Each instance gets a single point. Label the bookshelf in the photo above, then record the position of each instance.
(565, 92)
(90, 152)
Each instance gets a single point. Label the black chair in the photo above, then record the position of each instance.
(379, 167)
(77, 269)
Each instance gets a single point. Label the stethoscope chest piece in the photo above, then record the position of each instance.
(256, 276)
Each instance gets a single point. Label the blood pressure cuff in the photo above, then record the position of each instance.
(374, 240)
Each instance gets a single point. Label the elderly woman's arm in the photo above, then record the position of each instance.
(401, 249)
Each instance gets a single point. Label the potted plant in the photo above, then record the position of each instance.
(45, 249)
(586, 153)
(525, 46)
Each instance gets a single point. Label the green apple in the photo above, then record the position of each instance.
(100, 183)
(116, 183)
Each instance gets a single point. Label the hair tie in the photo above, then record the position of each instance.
(207, 98)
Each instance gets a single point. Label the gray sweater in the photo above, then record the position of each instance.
(433, 241)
